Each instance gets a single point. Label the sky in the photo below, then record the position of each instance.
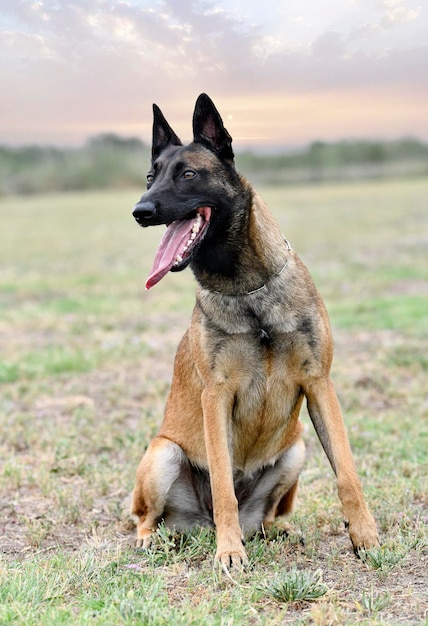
(280, 72)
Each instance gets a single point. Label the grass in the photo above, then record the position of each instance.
(295, 586)
(85, 365)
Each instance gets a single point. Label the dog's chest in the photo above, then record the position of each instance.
(268, 329)
(258, 374)
(261, 354)
(263, 317)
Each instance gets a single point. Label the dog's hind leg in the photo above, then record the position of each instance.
(283, 497)
(158, 470)
(271, 492)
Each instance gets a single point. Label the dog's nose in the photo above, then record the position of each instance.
(144, 211)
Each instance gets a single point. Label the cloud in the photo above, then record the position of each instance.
(396, 13)
(329, 46)
(71, 69)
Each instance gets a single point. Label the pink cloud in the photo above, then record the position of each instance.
(93, 65)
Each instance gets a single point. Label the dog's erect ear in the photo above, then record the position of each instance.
(163, 135)
(209, 130)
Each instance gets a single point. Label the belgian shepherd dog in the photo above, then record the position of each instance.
(229, 451)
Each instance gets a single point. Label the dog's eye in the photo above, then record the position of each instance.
(150, 178)
(188, 174)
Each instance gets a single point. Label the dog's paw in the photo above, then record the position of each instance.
(363, 534)
(229, 559)
(279, 527)
(144, 540)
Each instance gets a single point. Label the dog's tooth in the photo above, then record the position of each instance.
(197, 223)
(178, 259)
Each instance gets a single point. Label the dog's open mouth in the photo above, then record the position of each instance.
(178, 243)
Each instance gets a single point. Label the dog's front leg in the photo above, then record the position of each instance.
(327, 418)
(217, 407)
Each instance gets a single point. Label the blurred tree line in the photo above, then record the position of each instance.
(110, 161)
(105, 161)
(340, 161)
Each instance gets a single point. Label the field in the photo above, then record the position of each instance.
(85, 364)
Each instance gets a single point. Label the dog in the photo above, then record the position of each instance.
(230, 451)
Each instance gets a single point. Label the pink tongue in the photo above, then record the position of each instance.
(172, 244)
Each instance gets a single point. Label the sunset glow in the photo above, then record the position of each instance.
(279, 75)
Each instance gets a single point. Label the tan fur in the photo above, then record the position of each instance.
(234, 405)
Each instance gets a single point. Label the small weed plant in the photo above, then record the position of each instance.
(374, 602)
(297, 586)
(383, 558)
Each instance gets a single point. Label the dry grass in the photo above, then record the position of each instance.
(86, 359)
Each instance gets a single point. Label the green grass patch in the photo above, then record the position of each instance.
(407, 313)
(51, 361)
(63, 591)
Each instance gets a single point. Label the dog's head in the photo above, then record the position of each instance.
(187, 186)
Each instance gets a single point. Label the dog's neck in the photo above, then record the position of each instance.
(265, 285)
(246, 260)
